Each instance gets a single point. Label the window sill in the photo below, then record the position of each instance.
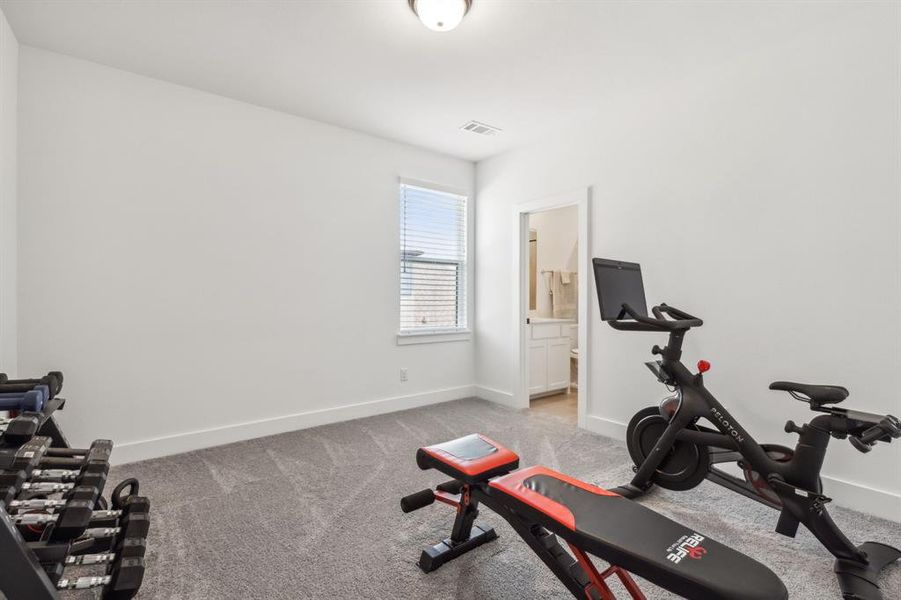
(404, 339)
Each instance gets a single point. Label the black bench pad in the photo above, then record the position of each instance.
(627, 534)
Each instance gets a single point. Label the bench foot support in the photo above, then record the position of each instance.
(597, 586)
(448, 550)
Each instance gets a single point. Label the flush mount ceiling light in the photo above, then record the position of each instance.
(440, 15)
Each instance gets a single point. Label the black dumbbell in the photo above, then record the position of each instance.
(67, 524)
(124, 548)
(132, 504)
(132, 525)
(86, 484)
(81, 489)
(20, 429)
(25, 456)
(131, 547)
(11, 487)
(68, 516)
(78, 513)
(17, 464)
(122, 583)
(126, 577)
(53, 380)
(74, 458)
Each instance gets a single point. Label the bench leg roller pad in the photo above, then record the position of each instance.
(446, 551)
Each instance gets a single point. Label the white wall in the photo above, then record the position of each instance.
(195, 263)
(9, 76)
(764, 196)
(558, 239)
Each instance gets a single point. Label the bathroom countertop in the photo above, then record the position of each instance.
(542, 320)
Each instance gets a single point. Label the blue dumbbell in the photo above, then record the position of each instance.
(26, 399)
(42, 390)
(45, 392)
(32, 401)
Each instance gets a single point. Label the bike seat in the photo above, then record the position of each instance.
(817, 394)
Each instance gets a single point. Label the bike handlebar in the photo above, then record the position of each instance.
(889, 427)
(681, 321)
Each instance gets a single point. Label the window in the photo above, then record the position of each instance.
(432, 261)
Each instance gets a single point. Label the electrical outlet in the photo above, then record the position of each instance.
(403, 374)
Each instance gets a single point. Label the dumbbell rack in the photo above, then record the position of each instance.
(32, 569)
(49, 427)
(22, 575)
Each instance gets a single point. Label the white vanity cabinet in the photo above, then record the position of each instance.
(537, 366)
(549, 346)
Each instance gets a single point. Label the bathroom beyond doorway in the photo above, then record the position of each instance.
(552, 329)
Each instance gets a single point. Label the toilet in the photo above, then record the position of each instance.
(573, 370)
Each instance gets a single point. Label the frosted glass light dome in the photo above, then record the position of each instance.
(440, 15)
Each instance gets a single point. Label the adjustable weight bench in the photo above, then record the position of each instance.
(544, 506)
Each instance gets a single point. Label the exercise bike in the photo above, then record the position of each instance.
(672, 449)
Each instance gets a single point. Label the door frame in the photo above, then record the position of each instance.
(580, 197)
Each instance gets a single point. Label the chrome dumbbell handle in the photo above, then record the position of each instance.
(46, 488)
(90, 559)
(102, 532)
(44, 518)
(83, 583)
(34, 519)
(36, 504)
(63, 475)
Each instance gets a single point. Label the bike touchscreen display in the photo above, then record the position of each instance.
(619, 283)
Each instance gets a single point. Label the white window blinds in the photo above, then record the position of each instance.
(432, 260)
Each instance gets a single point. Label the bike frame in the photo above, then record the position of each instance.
(796, 482)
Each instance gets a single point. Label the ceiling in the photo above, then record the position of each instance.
(527, 67)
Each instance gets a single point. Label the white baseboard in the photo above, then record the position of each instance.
(857, 496)
(216, 436)
(606, 427)
(493, 395)
(849, 494)
(861, 497)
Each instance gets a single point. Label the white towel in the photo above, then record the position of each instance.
(565, 296)
(564, 277)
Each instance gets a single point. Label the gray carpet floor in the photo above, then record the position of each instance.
(314, 514)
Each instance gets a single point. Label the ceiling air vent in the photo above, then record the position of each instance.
(481, 128)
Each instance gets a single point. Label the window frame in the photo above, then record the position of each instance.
(464, 271)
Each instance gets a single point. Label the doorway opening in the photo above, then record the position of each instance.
(553, 326)
(552, 318)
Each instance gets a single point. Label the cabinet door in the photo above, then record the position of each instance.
(537, 366)
(558, 363)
